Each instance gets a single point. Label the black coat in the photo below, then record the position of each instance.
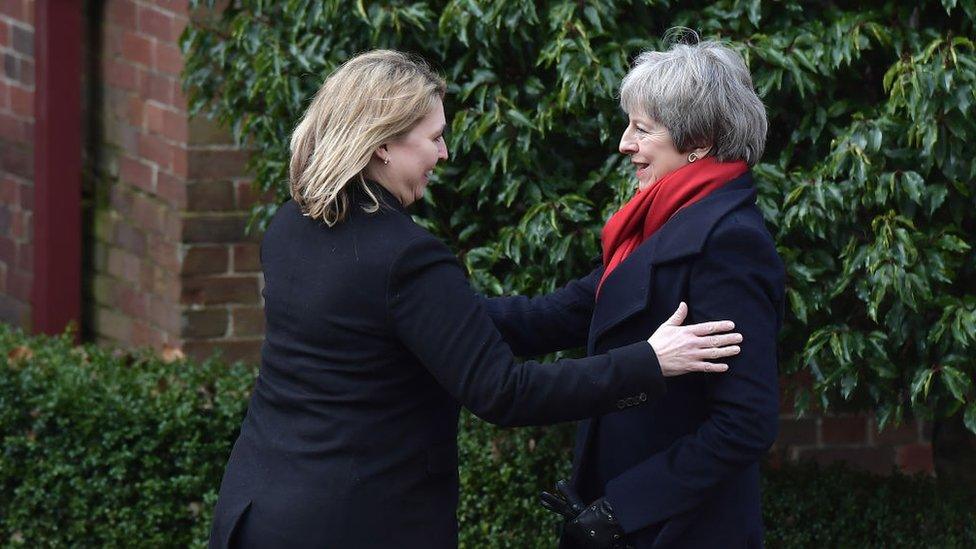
(683, 472)
(374, 338)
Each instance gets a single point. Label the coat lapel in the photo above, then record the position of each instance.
(627, 290)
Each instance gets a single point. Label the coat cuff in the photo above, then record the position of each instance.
(643, 367)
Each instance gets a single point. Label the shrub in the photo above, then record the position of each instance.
(104, 448)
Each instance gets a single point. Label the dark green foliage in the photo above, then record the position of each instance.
(867, 181)
(108, 449)
(810, 506)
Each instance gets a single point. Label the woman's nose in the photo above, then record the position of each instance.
(627, 145)
(442, 152)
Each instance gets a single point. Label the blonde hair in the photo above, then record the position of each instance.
(372, 98)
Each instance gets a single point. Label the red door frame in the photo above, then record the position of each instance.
(56, 293)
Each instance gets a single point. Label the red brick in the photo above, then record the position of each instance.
(4, 34)
(165, 254)
(122, 13)
(131, 301)
(19, 225)
(214, 290)
(130, 239)
(844, 430)
(170, 188)
(797, 432)
(22, 40)
(14, 8)
(247, 258)
(135, 111)
(248, 195)
(9, 191)
(136, 173)
(4, 95)
(13, 311)
(17, 160)
(21, 101)
(153, 117)
(906, 433)
(214, 228)
(145, 335)
(147, 213)
(205, 260)
(15, 130)
(112, 325)
(8, 250)
(248, 321)
(915, 458)
(874, 459)
(210, 196)
(138, 49)
(216, 164)
(26, 193)
(165, 122)
(120, 199)
(123, 265)
(177, 7)
(25, 251)
(230, 350)
(157, 151)
(158, 87)
(157, 24)
(19, 284)
(169, 59)
(205, 323)
(165, 315)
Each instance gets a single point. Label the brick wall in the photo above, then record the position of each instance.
(16, 159)
(172, 264)
(852, 438)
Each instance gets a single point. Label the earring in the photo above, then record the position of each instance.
(386, 161)
(692, 157)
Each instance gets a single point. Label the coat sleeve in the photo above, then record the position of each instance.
(548, 323)
(437, 316)
(740, 277)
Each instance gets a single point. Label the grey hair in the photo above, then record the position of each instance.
(702, 93)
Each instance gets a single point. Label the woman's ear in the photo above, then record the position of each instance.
(382, 153)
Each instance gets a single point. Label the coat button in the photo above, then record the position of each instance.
(643, 397)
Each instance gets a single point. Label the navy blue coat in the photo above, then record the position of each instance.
(684, 471)
(374, 338)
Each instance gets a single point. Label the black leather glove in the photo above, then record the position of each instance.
(592, 526)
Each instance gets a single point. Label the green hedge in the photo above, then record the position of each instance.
(110, 448)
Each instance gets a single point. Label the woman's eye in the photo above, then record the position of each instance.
(641, 130)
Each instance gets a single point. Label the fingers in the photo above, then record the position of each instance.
(709, 328)
(713, 353)
(571, 496)
(556, 504)
(679, 315)
(708, 367)
(708, 342)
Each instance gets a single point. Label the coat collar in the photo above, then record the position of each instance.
(626, 291)
(384, 196)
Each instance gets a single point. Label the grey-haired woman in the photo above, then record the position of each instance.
(683, 471)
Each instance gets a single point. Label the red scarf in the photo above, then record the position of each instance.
(652, 207)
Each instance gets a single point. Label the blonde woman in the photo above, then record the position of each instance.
(374, 339)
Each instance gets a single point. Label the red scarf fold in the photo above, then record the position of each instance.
(652, 207)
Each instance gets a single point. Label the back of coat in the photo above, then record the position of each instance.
(373, 338)
(347, 439)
